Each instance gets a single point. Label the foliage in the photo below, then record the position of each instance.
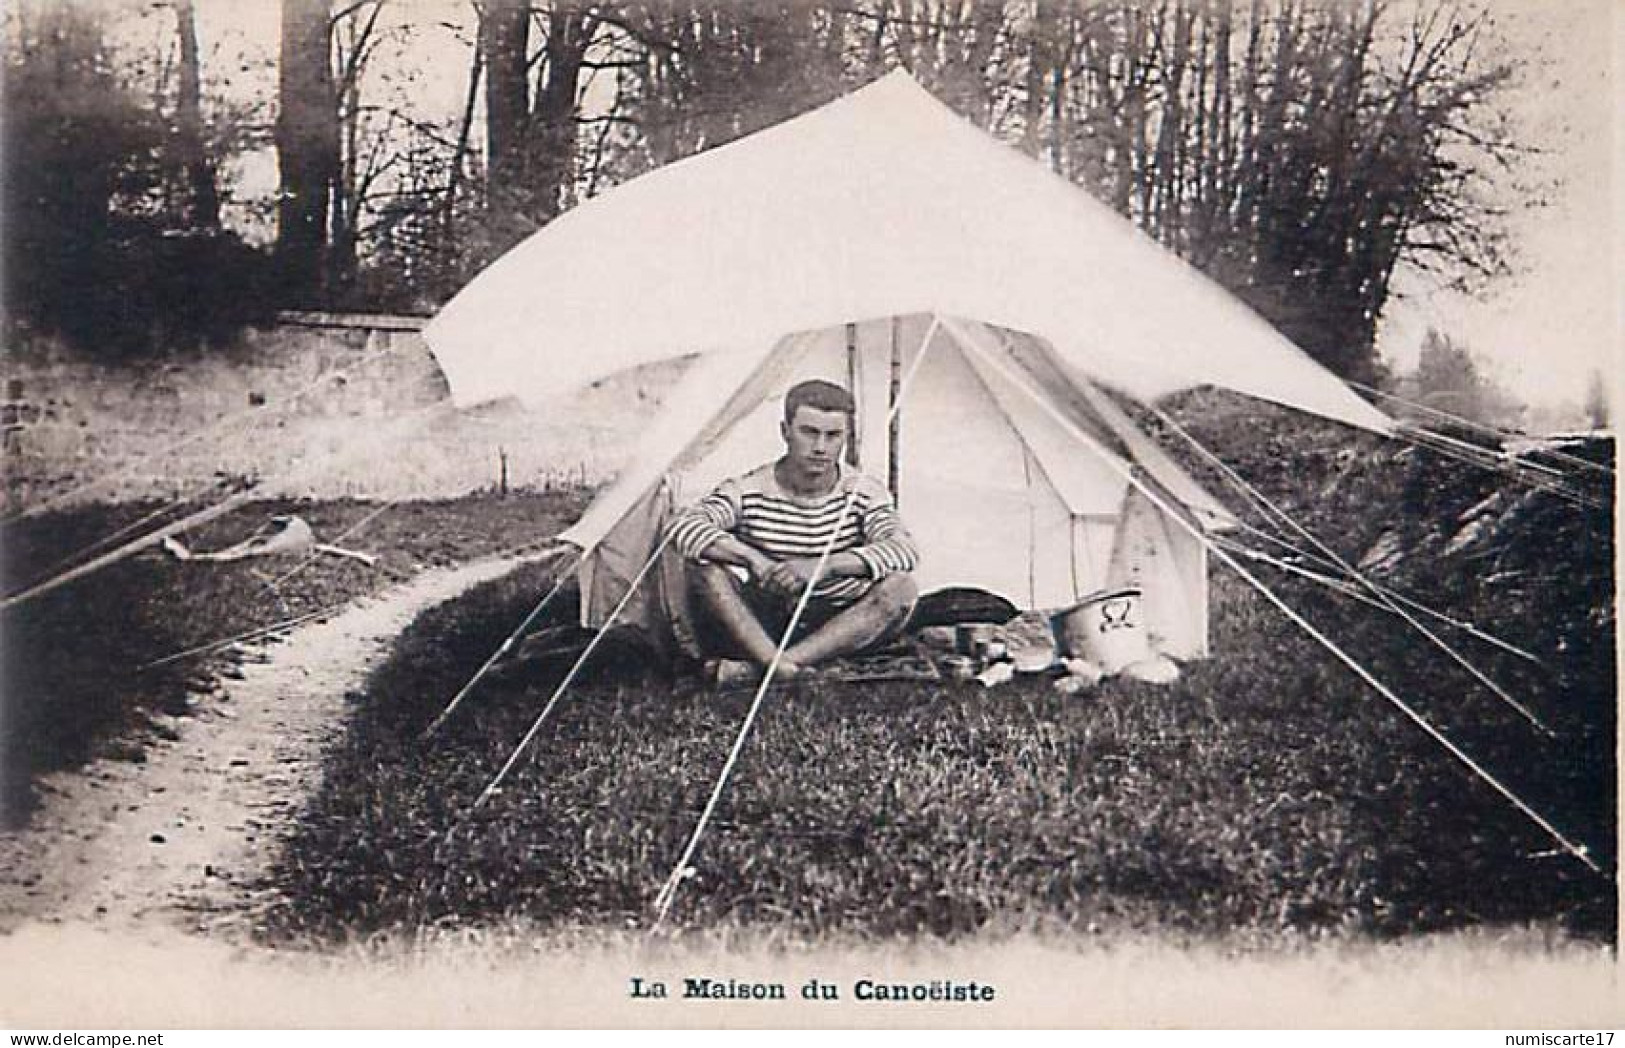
(1448, 378)
(90, 251)
(708, 74)
(1298, 152)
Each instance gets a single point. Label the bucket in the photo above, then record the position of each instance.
(1105, 628)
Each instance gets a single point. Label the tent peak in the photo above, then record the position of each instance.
(878, 203)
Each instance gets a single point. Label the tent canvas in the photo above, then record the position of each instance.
(997, 496)
(886, 215)
(882, 203)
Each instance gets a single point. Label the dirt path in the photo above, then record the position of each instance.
(180, 839)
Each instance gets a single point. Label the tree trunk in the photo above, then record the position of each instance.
(505, 37)
(307, 140)
(465, 130)
(553, 120)
(354, 44)
(1220, 164)
(203, 211)
(1164, 181)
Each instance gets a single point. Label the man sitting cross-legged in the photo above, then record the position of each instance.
(773, 523)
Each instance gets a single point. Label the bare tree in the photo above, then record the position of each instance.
(355, 38)
(533, 96)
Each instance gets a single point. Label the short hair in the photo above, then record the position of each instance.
(816, 393)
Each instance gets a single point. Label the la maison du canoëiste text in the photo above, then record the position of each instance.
(933, 991)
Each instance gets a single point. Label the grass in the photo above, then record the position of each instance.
(76, 674)
(1268, 795)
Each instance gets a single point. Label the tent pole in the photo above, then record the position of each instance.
(1579, 851)
(129, 549)
(492, 787)
(1353, 593)
(894, 425)
(133, 526)
(674, 880)
(1241, 484)
(502, 649)
(156, 537)
(854, 453)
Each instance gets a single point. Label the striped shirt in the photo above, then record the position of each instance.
(756, 510)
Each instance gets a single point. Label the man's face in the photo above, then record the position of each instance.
(814, 439)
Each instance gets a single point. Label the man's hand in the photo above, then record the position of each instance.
(782, 579)
(805, 569)
(788, 578)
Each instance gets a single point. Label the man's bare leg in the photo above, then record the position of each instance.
(877, 614)
(719, 589)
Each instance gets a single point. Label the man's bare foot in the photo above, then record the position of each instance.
(737, 674)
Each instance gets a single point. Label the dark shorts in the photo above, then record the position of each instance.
(771, 610)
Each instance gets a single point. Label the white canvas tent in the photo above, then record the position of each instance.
(997, 494)
(812, 248)
(885, 212)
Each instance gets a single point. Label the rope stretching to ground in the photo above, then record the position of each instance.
(569, 678)
(502, 649)
(1272, 510)
(1353, 593)
(252, 415)
(1494, 431)
(298, 620)
(1579, 851)
(219, 509)
(1471, 454)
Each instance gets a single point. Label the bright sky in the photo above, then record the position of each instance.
(1546, 328)
(1542, 331)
